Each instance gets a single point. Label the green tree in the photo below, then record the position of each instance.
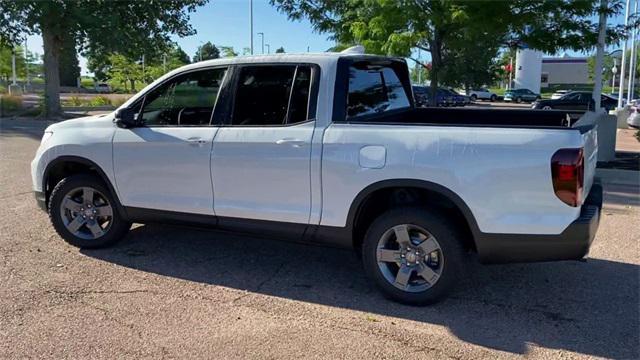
(280, 50)
(124, 71)
(6, 51)
(69, 64)
(227, 51)
(129, 27)
(207, 51)
(444, 28)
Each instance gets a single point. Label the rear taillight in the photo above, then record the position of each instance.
(567, 172)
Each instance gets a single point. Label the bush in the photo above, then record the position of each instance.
(75, 101)
(118, 101)
(3, 90)
(10, 104)
(99, 101)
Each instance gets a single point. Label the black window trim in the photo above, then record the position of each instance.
(341, 91)
(312, 105)
(221, 92)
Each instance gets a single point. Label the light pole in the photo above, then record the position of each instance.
(602, 25)
(623, 62)
(614, 70)
(26, 61)
(251, 16)
(268, 48)
(632, 60)
(262, 40)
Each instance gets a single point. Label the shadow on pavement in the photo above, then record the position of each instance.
(585, 307)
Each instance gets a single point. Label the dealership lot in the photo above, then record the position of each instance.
(176, 292)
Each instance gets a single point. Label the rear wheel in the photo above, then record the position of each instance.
(518, 100)
(84, 213)
(547, 107)
(494, 98)
(413, 255)
(474, 97)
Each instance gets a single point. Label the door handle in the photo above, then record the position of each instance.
(196, 141)
(292, 142)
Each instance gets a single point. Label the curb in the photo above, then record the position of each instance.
(620, 177)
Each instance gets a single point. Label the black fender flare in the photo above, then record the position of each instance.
(356, 204)
(92, 165)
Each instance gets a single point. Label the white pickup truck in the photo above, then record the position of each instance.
(328, 148)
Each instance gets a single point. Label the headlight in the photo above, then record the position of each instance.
(47, 135)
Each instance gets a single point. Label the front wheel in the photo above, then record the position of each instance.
(518, 100)
(494, 98)
(84, 212)
(414, 256)
(474, 97)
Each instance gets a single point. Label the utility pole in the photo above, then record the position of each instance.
(262, 40)
(624, 53)
(268, 48)
(510, 72)
(251, 11)
(632, 60)
(597, 88)
(307, 49)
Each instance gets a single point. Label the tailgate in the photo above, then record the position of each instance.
(590, 140)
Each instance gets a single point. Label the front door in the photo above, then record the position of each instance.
(164, 163)
(260, 163)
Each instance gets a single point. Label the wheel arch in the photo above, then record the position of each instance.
(439, 196)
(67, 165)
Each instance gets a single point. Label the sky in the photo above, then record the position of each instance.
(227, 23)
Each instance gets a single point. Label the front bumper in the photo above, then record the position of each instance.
(572, 244)
(41, 200)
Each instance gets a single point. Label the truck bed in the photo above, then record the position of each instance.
(485, 117)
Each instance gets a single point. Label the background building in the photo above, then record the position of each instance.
(564, 71)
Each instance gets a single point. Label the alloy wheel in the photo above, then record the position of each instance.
(410, 258)
(86, 213)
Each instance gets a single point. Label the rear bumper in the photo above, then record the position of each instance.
(572, 244)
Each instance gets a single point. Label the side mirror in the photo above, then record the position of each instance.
(126, 118)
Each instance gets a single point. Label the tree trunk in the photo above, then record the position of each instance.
(133, 85)
(51, 43)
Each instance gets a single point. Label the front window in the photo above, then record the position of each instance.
(186, 100)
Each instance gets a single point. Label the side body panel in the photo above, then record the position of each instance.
(88, 138)
(502, 174)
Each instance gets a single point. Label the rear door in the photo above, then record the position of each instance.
(164, 164)
(261, 157)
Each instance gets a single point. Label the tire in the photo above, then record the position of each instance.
(380, 257)
(83, 222)
(518, 100)
(493, 98)
(547, 107)
(474, 97)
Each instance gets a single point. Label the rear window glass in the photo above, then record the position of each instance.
(374, 89)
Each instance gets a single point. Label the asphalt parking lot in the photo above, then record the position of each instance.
(175, 292)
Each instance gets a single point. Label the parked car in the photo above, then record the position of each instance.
(456, 99)
(482, 94)
(329, 149)
(559, 93)
(520, 95)
(422, 95)
(103, 88)
(576, 100)
(634, 118)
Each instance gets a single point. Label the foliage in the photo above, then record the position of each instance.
(227, 51)
(99, 101)
(69, 65)
(454, 32)
(207, 51)
(607, 75)
(131, 28)
(5, 61)
(10, 104)
(124, 70)
(280, 50)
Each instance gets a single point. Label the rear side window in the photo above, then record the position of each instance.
(272, 95)
(374, 89)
